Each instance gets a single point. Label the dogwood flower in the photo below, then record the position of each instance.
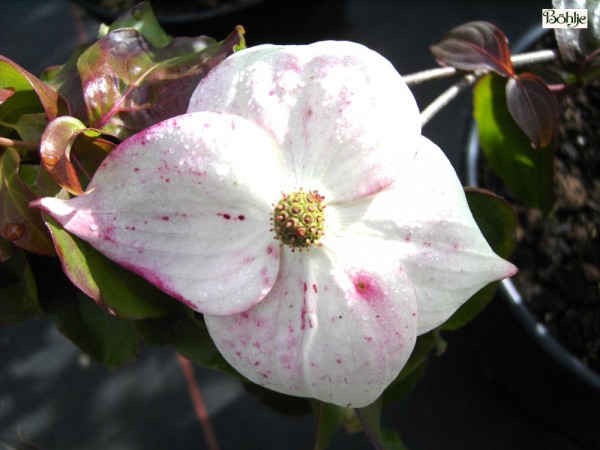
(298, 207)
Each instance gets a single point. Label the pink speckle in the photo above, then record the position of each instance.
(136, 169)
(367, 288)
(271, 93)
(368, 339)
(314, 286)
(166, 218)
(256, 344)
(269, 250)
(338, 360)
(245, 314)
(226, 216)
(241, 217)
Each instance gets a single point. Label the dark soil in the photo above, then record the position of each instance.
(559, 256)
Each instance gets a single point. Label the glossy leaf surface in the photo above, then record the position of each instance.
(533, 107)
(17, 78)
(475, 46)
(129, 84)
(576, 44)
(58, 145)
(526, 172)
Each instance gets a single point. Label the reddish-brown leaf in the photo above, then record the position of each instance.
(533, 107)
(14, 76)
(58, 148)
(475, 46)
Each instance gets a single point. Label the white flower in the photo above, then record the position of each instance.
(329, 311)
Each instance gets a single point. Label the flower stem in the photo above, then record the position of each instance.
(447, 96)
(444, 72)
(6, 142)
(199, 408)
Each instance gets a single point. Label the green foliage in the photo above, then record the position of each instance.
(526, 172)
(18, 290)
(188, 336)
(498, 222)
(110, 340)
(20, 224)
(380, 438)
(114, 288)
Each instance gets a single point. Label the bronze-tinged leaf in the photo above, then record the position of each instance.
(65, 138)
(5, 94)
(14, 77)
(129, 84)
(475, 46)
(20, 224)
(533, 107)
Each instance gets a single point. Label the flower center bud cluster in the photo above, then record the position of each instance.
(298, 219)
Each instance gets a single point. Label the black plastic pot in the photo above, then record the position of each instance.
(518, 352)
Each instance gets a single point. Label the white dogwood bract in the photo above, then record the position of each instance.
(190, 205)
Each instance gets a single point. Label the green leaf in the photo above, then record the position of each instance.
(329, 419)
(497, 221)
(18, 290)
(282, 403)
(141, 18)
(29, 126)
(143, 84)
(526, 172)
(18, 79)
(380, 439)
(189, 337)
(114, 288)
(413, 370)
(110, 340)
(19, 223)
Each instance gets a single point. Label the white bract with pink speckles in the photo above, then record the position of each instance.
(189, 204)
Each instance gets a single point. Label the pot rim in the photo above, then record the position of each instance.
(535, 328)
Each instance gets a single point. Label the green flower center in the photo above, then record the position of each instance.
(298, 219)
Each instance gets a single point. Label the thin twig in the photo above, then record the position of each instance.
(446, 97)
(199, 408)
(444, 72)
(6, 142)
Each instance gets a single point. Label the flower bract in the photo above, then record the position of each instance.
(284, 144)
